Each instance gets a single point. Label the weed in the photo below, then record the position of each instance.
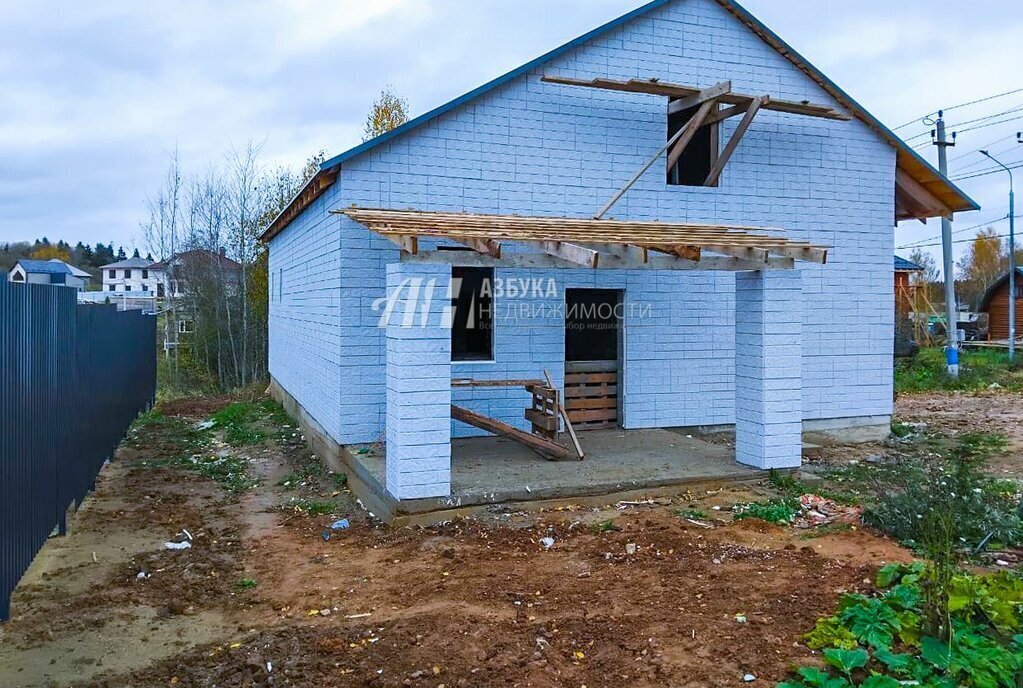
(607, 526)
(340, 480)
(977, 370)
(230, 471)
(246, 583)
(161, 436)
(247, 423)
(781, 511)
(826, 529)
(695, 514)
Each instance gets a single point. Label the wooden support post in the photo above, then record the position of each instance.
(733, 143)
(487, 247)
(745, 253)
(680, 250)
(573, 253)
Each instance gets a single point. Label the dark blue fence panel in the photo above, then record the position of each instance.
(72, 379)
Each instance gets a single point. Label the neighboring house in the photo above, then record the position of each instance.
(52, 271)
(692, 315)
(174, 270)
(904, 289)
(995, 303)
(132, 275)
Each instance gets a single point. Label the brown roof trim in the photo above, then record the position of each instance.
(312, 190)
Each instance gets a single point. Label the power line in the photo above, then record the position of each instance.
(955, 107)
(985, 172)
(957, 241)
(988, 223)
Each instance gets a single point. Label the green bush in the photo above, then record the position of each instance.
(882, 641)
(781, 511)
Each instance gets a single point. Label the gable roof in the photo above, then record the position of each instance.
(907, 159)
(132, 262)
(903, 265)
(44, 267)
(985, 300)
(77, 272)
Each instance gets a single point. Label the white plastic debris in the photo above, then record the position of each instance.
(547, 542)
(184, 531)
(269, 667)
(749, 678)
(178, 545)
(141, 575)
(1002, 562)
(205, 425)
(630, 548)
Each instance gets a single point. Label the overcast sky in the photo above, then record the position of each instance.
(96, 94)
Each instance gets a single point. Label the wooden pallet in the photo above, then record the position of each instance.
(591, 394)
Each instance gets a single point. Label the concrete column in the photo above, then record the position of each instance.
(768, 368)
(416, 315)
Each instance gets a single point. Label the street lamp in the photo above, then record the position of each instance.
(1012, 259)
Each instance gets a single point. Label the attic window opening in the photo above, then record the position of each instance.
(698, 158)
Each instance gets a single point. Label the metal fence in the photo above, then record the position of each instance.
(72, 379)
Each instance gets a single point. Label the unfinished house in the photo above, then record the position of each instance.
(672, 223)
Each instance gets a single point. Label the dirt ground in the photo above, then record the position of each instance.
(635, 596)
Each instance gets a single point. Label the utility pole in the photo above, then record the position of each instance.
(951, 319)
(1012, 254)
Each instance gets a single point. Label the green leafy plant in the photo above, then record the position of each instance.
(781, 511)
(882, 641)
(246, 583)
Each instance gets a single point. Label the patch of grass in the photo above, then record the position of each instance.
(978, 369)
(309, 507)
(781, 511)
(247, 583)
(607, 526)
(246, 423)
(232, 472)
(340, 480)
(166, 437)
(792, 488)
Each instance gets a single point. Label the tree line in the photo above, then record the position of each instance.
(986, 259)
(84, 256)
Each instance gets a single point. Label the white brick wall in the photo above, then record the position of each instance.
(543, 149)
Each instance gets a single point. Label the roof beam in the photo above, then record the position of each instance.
(488, 247)
(691, 127)
(663, 88)
(408, 243)
(700, 97)
(733, 143)
(807, 254)
(634, 254)
(572, 253)
(752, 253)
(918, 195)
(681, 250)
(545, 261)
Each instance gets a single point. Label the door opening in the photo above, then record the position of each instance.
(593, 355)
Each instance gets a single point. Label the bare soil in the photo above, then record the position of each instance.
(468, 603)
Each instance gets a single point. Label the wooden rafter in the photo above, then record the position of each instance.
(712, 93)
(663, 88)
(733, 142)
(915, 196)
(574, 242)
(543, 261)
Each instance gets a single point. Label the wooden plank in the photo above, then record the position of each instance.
(809, 255)
(573, 253)
(664, 88)
(591, 366)
(488, 247)
(470, 382)
(595, 415)
(568, 421)
(541, 419)
(691, 127)
(726, 113)
(917, 195)
(541, 260)
(540, 445)
(683, 251)
(733, 143)
(745, 253)
(712, 93)
(590, 378)
(591, 391)
(591, 403)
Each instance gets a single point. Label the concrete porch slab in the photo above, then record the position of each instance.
(495, 470)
